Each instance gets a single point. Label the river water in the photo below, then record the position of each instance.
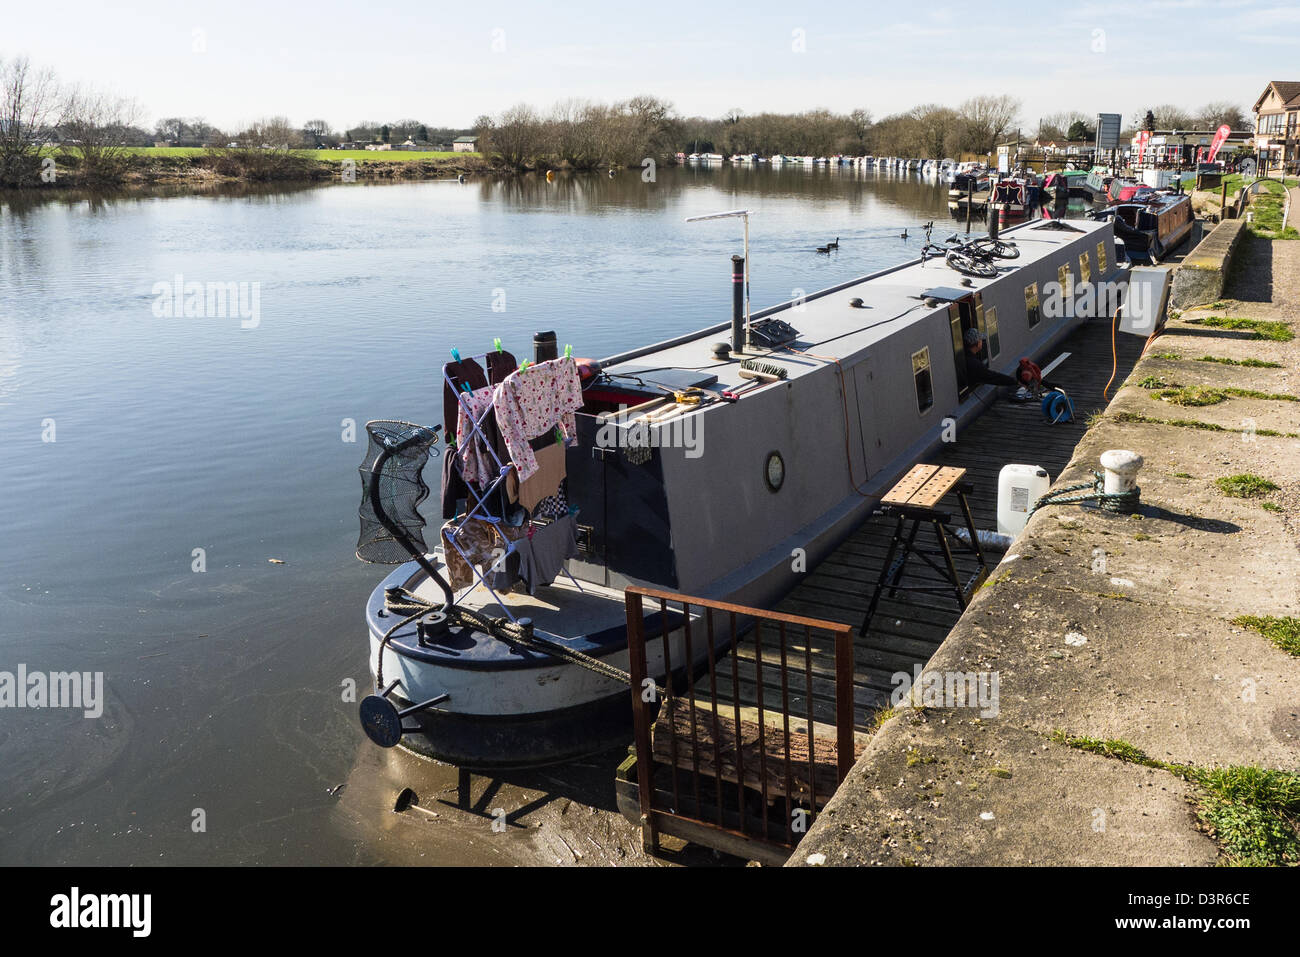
(154, 464)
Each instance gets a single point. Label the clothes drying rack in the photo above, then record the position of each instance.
(476, 503)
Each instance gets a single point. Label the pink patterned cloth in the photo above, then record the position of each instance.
(533, 401)
(477, 465)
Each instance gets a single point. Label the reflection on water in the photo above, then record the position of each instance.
(189, 451)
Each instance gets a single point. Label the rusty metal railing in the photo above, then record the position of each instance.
(755, 717)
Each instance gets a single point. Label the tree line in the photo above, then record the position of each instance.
(96, 131)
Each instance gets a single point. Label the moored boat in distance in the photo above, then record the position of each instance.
(1153, 224)
(1015, 197)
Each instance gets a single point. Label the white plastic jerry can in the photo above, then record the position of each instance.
(1019, 487)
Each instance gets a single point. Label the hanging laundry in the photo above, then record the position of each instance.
(543, 553)
(499, 366)
(477, 464)
(483, 545)
(533, 401)
(454, 376)
(544, 482)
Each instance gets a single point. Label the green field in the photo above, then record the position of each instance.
(329, 156)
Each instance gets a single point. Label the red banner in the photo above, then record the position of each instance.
(1142, 138)
(1220, 137)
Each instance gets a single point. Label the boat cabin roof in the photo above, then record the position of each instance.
(831, 327)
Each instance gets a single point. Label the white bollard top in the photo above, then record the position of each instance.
(1122, 461)
(1121, 468)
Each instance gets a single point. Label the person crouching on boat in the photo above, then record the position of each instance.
(978, 372)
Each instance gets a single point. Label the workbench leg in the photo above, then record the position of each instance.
(970, 527)
(902, 559)
(884, 574)
(952, 568)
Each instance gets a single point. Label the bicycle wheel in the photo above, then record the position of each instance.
(996, 247)
(970, 266)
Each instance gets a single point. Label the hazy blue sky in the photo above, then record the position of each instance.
(346, 60)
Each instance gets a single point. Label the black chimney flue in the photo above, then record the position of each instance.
(737, 304)
(544, 347)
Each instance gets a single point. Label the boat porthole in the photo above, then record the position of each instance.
(774, 471)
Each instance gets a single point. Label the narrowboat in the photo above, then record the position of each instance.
(709, 497)
(1015, 197)
(1151, 227)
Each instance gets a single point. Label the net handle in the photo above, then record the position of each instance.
(399, 536)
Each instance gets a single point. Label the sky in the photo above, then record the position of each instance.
(444, 64)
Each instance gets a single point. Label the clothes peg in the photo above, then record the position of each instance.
(523, 366)
(455, 354)
(497, 342)
(568, 352)
(465, 386)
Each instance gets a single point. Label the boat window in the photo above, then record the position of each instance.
(1085, 268)
(1101, 257)
(991, 330)
(1065, 280)
(921, 376)
(1031, 304)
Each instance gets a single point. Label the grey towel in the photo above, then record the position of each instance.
(542, 557)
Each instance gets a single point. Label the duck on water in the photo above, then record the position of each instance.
(675, 479)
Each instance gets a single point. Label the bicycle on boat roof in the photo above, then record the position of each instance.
(977, 257)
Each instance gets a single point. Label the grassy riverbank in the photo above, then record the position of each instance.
(201, 169)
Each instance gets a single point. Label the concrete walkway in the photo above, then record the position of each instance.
(1115, 627)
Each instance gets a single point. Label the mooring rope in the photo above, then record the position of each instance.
(503, 629)
(1124, 503)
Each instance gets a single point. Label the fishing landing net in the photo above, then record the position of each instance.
(392, 488)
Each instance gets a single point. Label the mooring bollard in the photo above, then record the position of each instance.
(1121, 469)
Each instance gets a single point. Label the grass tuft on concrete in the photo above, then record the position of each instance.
(1248, 363)
(1260, 328)
(1199, 395)
(1245, 485)
(1137, 417)
(1252, 813)
(1283, 633)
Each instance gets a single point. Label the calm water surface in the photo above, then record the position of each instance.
(224, 688)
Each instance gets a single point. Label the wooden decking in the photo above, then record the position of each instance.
(907, 630)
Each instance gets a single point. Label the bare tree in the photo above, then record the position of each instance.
(99, 127)
(29, 109)
(987, 119)
(266, 151)
(1170, 117)
(318, 130)
(1213, 115)
(514, 136)
(860, 128)
(272, 133)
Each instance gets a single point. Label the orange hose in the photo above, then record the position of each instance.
(1114, 355)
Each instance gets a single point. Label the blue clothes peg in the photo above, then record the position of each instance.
(455, 354)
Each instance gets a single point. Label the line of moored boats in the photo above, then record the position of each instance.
(927, 167)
